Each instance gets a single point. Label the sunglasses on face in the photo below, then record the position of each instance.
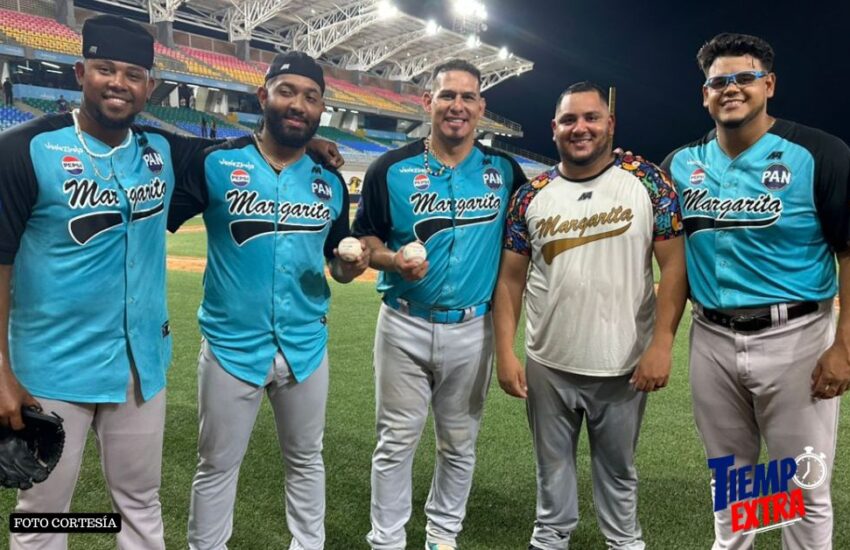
(744, 78)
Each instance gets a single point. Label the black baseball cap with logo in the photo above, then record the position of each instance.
(298, 63)
(118, 39)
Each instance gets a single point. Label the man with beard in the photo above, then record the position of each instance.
(434, 336)
(273, 215)
(83, 197)
(765, 204)
(597, 340)
(83, 322)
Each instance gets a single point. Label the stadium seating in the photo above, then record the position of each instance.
(351, 141)
(40, 32)
(10, 116)
(173, 60)
(189, 120)
(352, 94)
(239, 70)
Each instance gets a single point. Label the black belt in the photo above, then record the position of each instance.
(756, 318)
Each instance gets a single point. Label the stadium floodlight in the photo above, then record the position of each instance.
(386, 10)
(470, 9)
(503, 53)
(473, 41)
(432, 28)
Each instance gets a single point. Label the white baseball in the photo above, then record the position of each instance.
(349, 249)
(414, 251)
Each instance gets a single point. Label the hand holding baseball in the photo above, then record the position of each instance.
(353, 259)
(411, 261)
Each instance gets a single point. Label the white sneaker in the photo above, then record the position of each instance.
(437, 546)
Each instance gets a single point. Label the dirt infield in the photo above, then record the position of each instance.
(197, 265)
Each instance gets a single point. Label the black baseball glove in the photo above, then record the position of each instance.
(28, 456)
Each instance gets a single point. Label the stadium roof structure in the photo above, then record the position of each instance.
(370, 36)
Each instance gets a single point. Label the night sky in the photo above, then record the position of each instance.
(648, 52)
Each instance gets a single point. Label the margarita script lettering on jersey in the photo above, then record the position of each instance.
(698, 200)
(248, 203)
(759, 496)
(87, 193)
(431, 203)
(552, 226)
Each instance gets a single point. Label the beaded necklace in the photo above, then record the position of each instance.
(443, 167)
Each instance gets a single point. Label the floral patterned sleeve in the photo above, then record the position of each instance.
(662, 194)
(517, 236)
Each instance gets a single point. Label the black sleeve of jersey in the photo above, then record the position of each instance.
(183, 149)
(340, 228)
(832, 179)
(519, 176)
(190, 196)
(832, 194)
(373, 211)
(18, 189)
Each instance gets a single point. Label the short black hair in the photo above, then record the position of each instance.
(730, 44)
(456, 64)
(580, 87)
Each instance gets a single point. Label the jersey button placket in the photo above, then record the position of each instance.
(724, 239)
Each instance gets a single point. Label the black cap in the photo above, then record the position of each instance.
(297, 63)
(118, 39)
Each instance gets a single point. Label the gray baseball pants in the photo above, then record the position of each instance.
(749, 386)
(227, 407)
(129, 439)
(558, 403)
(417, 364)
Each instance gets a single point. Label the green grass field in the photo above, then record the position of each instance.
(675, 507)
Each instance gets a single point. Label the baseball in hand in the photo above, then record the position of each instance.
(414, 251)
(349, 249)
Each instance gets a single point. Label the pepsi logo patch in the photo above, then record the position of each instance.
(321, 189)
(776, 176)
(697, 176)
(492, 178)
(421, 181)
(72, 165)
(153, 159)
(240, 178)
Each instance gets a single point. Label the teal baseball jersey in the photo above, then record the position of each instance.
(269, 235)
(459, 216)
(763, 228)
(86, 238)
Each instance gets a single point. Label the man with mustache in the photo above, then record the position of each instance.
(434, 338)
(597, 340)
(274, 215)
(85, 334)
(765, 204)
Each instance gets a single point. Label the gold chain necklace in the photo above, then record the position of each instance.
(275, 164)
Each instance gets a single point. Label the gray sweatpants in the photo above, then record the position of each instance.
(557, 404)
(749, 386)
(129, 439)
(417, 364)
(228, 407)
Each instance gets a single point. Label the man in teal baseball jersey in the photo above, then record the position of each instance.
(434, 339)
(83, 321)
(765, 203)
(273, 215)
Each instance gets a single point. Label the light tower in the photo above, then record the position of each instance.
(469, 17)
